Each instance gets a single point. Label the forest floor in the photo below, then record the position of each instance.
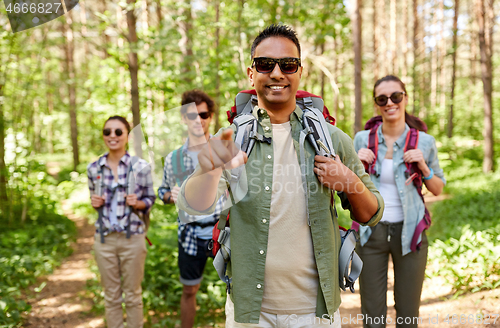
(64, 303)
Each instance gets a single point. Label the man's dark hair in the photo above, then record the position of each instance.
(198, 97)
(276, 30)
(121, 119)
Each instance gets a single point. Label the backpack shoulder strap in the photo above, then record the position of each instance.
(99, 192)
(373, 146)
(178, 167)
(315, 126)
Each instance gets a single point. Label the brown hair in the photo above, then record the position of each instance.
(121, 119)
(198, 97)
(412, 121)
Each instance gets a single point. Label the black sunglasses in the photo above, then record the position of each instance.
(193, 116)
(107, 132)
(396, 98)
(288, 65)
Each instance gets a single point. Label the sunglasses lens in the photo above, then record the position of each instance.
(191, 116)
(106, 132)
(381, 100)
(204, 115)
(264, 65)
(397, 97)
(118, 132)
(289, 65)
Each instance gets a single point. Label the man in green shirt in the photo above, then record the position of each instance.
(284, 239)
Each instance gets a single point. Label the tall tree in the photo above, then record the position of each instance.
(415, 54)
(453, 68)
(376, 32)
(186, 42)
(3, 167)
(356, 32)
(484, 11)
(404, 43)
(133, 67)
(69, 48)
(393, 47)
(217, 65)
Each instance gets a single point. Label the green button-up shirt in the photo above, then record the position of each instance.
(249, 219)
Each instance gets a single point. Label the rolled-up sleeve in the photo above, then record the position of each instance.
(433, 162)
(349, 157)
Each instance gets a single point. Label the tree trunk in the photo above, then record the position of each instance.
(376, 4)
(358, 100)
(442, 58)
(404, 43)
(186, 43)
(69, 47)
(485, 47)
(453, 68)
(434, 64)
(3, 167)
(415, 54)
(105, 37)
(133, 67)
(393, 46)
(217, 66)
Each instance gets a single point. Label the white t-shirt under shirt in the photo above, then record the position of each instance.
(291, 275)
(393, 211)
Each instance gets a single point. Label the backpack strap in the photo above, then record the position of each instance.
(346, 256)
(131, 189)
(414, 173)
(99, 191)
(373, 146)
(178, 167)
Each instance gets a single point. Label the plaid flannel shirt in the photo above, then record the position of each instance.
(186, 232)
(143, 189)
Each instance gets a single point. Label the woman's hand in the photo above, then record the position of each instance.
(416, 156)
(366, 155)
(131, 200)
(97, 201)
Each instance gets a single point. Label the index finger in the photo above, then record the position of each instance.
(321, 159)
(226, 134)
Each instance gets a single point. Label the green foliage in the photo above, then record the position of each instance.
(29, 250)
(465, 234)
(470, 262)
(162, 289)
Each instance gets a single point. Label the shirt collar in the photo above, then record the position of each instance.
(296, 114)
(400, 141)
(103, 161)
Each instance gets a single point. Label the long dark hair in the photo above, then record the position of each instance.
(121, 119)
(412, 121)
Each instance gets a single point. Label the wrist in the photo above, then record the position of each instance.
(429, 175)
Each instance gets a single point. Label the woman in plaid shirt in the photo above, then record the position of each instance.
(119, 246)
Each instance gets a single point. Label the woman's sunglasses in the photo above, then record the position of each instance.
(396, 98)
(193, 116)
(107, 132)
(266, 65)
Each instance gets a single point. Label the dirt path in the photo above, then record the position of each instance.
(62, 303)
(435, 307)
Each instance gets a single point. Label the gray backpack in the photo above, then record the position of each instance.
(316, 132)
